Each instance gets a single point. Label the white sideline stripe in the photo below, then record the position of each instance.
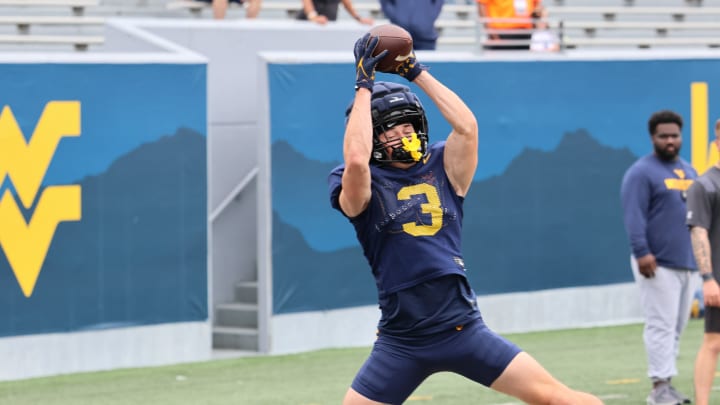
(612, 396)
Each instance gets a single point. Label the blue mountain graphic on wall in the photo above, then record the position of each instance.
(552, 220)
(138, 256)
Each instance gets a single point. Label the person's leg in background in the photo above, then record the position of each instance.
(689, 281)
(707, 356)
(219, 9)
(253, 8)
(660, 297)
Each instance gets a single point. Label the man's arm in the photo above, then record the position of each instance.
(461, 147)
(312, 14)
(482, 11)
(354, 14)
(357, 144)
(701, 250)
(357, 147)
(635, 195)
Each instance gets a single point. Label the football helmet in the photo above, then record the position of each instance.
(393, 104)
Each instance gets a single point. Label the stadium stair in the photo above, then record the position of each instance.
(236, 323)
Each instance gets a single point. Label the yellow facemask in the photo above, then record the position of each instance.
(413, 146)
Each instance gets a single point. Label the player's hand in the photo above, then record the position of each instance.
(647, 265)
(411, 68)
(711, 293)
(365, 63)
(319, 19)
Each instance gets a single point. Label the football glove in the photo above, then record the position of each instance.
(365, 63)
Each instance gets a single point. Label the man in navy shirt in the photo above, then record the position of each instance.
(417, 17)
(404, 197)
(653, 198)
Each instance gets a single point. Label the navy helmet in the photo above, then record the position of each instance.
(393, 104)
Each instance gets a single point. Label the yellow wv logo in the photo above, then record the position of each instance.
(25, 163)
(704, 153)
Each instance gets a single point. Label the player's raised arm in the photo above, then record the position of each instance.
(461, 147)
(357, 145)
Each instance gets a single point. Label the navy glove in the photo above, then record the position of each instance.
(365, 63)
(410, 69)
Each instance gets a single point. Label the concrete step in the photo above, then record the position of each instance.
(235, 338)
(237, 314)
(246, 292)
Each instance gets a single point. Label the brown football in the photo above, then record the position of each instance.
(397, 41)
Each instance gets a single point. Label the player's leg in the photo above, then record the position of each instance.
(353, 397)
(390, 374)
(482, 355)
(707, 356)
(525, 379)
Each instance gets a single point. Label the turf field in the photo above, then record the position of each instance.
(609, 362)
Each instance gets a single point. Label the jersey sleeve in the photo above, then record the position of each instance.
(635, 196)
(699, 204)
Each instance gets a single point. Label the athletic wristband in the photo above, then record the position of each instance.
(707, 276)
(312, 15)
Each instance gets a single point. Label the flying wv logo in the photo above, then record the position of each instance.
(24, 164)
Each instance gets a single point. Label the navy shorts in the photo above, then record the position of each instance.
(397, 365)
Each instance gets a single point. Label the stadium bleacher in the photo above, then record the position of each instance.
(50, 23)
(580, 23)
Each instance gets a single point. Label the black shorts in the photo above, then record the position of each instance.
(328, 8)
(712, 320)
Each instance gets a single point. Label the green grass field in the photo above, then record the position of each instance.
(609, 362)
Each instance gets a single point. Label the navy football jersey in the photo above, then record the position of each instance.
(410, 231)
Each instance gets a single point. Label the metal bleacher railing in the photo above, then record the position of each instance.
(49, 25)
(577, 26)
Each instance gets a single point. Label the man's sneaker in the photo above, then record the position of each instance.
(680, 396)
(661, 395)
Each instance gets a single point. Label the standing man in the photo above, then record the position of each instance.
(404, 196)
(653, 198)
(417, 17)
(508, 20)
(703, 218)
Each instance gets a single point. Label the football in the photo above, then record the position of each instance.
(397, 41)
